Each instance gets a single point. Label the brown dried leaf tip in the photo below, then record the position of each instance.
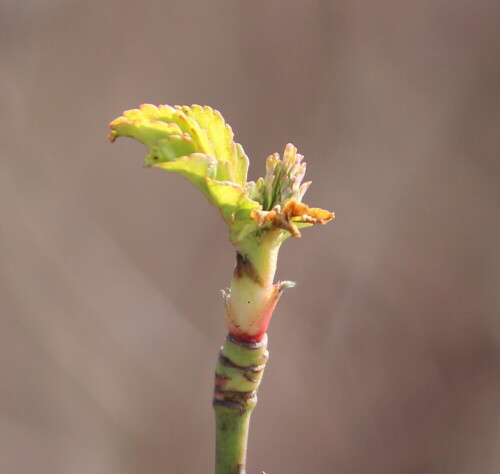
(293, 213)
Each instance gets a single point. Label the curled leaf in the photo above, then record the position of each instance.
(173, 132)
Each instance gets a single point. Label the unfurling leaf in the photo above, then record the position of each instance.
(196, 143)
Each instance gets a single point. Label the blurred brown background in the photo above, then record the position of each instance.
(385, 359)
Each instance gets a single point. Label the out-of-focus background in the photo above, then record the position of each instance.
(384, 359)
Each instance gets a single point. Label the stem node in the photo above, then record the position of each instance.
(239, 370)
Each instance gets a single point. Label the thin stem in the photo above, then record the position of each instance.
(237, 377)
(231, 441)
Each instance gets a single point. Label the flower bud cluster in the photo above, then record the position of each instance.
(283, 180)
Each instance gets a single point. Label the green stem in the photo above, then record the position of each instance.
(237, 377)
